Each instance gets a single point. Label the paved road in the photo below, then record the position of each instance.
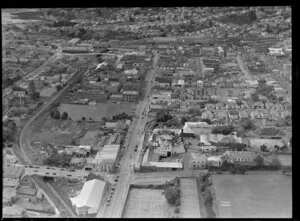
(119, 197)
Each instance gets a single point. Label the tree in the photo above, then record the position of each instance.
(172, 194)
(163, 116)
(248, 124)
(259, 160)
(55, 114)
(263, 147)
(83, 118)
(255, 97)
(252, 15)
(31, 87)
(58, 87)
(275, 164)
(64, 116)
(183, 120)
(208, 198)
(35, 96)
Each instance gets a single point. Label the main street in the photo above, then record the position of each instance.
(119, 197)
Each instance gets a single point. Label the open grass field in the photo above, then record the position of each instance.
(146, 203)
(76, 112)
(189, 198)
(265, 195)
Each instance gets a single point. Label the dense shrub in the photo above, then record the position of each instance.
(224, 129)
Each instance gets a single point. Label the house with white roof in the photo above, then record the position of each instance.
(90, 197)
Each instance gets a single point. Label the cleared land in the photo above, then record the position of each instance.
(253, 196)
(189, 198)
(146, 203)
(76, 112)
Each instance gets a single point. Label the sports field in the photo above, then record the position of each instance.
(265, 195)
(146, 203)
(76, 112)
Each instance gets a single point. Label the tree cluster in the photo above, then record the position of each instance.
(163, 116)
(121, 116)
(270, 131)
(55, 114)
(223, 129)
(9, 131)
(247, 124)
(58, 160)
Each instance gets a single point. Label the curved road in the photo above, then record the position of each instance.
(24, 141)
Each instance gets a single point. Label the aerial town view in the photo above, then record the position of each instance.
(149, 112)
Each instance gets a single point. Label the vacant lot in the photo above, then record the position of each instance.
(76, 112)
(146, 203)
(189, 198)
(253, 196)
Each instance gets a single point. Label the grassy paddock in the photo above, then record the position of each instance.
(266, 195)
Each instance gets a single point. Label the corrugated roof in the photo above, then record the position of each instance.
(90, 195)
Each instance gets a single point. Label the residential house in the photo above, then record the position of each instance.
(275, 114)
(233, 115)
(207, 149)
(243, 114)
(215, 161)
(255, 114)
(259, 105)
(240, 156)
(207, 115)
(270, 105)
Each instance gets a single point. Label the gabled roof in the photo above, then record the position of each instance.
(90, 195)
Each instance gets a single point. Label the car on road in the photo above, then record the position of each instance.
(107, 204)
(30, 166)
(47, 173)
(72, 170)
(69, 175)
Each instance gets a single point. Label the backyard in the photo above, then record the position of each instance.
(256, 195)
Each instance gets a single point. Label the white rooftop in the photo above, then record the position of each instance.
(90, 195)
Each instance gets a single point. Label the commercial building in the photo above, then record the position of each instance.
(90, 197)
(192, 129)
(198, 161)
(130, 96)
(105, 159)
